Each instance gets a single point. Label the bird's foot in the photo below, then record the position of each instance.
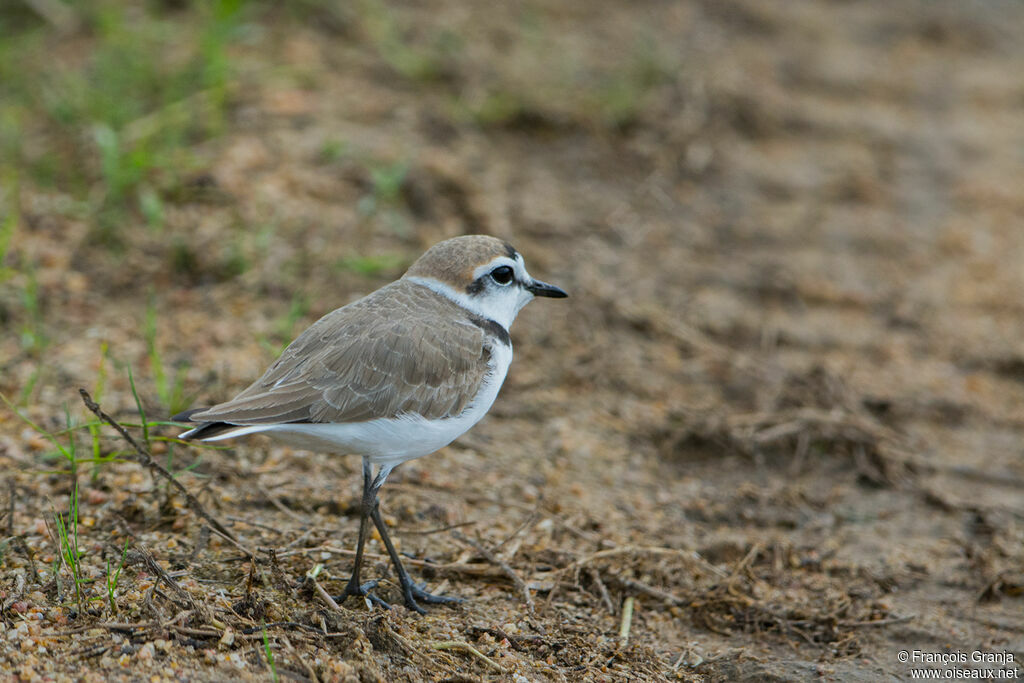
(414, 592)
(363, 591)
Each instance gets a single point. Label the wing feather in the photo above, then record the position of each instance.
(377, 357)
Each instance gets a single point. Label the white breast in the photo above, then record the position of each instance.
(390, 441)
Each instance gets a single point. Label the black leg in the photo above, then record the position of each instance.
(367, 504)
(410, 590)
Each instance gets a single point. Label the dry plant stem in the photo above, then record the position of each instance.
(145, 557)
(876, 622)
(477, 569)
(278, 573)
(92, 651)
(289, 624)
(530, 521)
(654, 550)
(436, 530)
(595, 576)
(150, 604)
(409, 649)
(664, 596)
(10, 508)
(516, 642)
(743, 565)
(54, 539)
(180, 618)
(471, 498)
(150, 124)
(302, 660)
(469, 649)
(16, 594)
(18, 541)
(627, 621)
(210, 633)
(61, 16)
(256, 525)
(146, 460)
(648, 550)
(301, 539)
(202, 540)
(131, 629)
(279, 505)
(507, 570)
(323, 595)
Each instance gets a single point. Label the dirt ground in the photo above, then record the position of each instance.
(781, 417)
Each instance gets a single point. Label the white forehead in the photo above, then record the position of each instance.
(516, 263)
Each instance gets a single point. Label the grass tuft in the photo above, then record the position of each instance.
(33, 338)
(372, 266)
(396, 44)
(9, 218)
(284, 326)
(270, 655)
(70, 553)
(141, 86)
(68, 452)
(112, 578)
(171, 391)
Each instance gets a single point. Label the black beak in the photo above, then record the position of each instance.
(539, 288)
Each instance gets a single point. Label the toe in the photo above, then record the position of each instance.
(363, 591)
(431, 599)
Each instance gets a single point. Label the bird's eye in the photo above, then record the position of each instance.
(502, 275)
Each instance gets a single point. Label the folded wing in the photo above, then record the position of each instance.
(378, 357)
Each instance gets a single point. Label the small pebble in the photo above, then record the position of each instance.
(146, 652)
(95, 497)
(228, 639)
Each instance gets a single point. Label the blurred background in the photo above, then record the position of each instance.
(793, 234)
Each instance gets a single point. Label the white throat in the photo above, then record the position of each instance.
(501, 310)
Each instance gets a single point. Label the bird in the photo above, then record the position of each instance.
(393, 376)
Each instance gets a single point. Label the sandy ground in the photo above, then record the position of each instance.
(782, 411)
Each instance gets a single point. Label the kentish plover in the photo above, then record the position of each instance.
(393, 376)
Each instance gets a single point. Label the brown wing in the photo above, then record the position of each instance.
(377, 357)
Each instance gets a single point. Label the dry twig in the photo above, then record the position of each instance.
(18, 540)
(627, 621)
(595, 577)
(506, 570)
(474, 569)
(10, 508)
(688, 555)
(641, 587)
(16, 594)
(469, 649)
(324, 596)
(142, 556)
(279, 505)
(61, 16)
(146, 460)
